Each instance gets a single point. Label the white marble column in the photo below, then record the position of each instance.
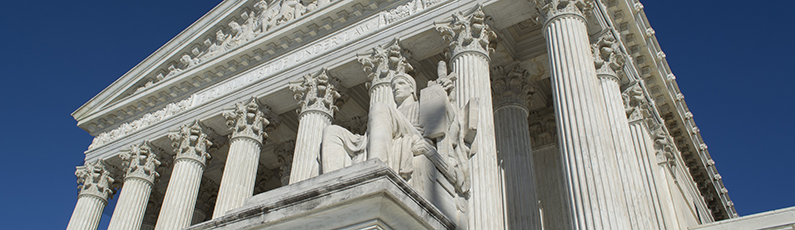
(512, 93)
(637, 111)
(141, 164)
(316, 100)
(248, 131)
(94, 183)
(469, 39)
(609, 64)
(593, 184)
(190, 145)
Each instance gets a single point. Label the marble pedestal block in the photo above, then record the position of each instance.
(368, 195)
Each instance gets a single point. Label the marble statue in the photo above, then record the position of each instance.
(396, 133)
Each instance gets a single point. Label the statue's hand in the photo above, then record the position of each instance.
(419, 146)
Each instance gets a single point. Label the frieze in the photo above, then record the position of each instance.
(275, 65)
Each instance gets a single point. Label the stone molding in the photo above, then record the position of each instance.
(141, 162)
(94, 179)
(510, 86)
(191, 143)
(246, 120)
(468, 32)
(316, 93)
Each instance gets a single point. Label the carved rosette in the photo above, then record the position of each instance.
(511, 87)
(384, 63)
(94, 179)
(246, 120)
(468, 32)
(284, 156)
(141, 162)
(191, 143)
(550, 9)
(316, 93)
(607, 56)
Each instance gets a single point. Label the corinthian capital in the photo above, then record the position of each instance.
(552, 8)
(385, 62)
(510, 86)
(190, 142)
(141, 162)
(468, 32)
(94, 180)
(315, 92)
(635, 103)
(247, 120)
(607, 55)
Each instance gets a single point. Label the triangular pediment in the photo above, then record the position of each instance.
(232, 37)
(228, 41)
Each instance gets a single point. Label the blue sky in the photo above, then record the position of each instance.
(733, 61)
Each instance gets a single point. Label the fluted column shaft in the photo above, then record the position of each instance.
(87, 213)
(130, 208)
(588, 153)
(240, 173)
(176, 211)
(307, 145)
(94, 184)
(515, 151)
(190, 143)
(485, 209)
(630, 164)
(656, 188)
(470, 42)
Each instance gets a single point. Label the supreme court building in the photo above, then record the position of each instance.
(401, 114)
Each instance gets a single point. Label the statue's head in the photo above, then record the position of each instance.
(404, 86)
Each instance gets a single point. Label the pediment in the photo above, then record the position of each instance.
(124, 107)
(233, 37)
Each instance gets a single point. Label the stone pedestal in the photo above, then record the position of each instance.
(190, 143)
(593, 186)
(368, 195)
(469, 39)
(141, 165)
(94, 184)
(316, 97)
(512, 93)
(237, 184)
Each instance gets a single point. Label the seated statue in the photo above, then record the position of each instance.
(396, 135)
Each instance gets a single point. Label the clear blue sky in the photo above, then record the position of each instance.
(733, 61)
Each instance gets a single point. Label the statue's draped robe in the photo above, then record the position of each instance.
(403, 123)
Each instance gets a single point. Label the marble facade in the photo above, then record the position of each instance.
(468, 114)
